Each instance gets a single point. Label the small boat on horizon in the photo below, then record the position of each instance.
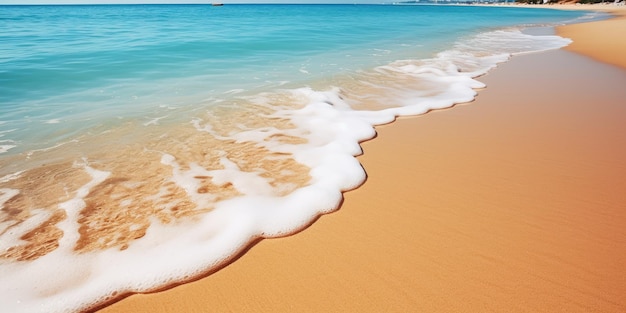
(217, 4)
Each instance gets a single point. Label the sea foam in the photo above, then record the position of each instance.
(186, 200)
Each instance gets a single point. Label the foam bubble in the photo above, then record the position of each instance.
(154, 121)
(5, 148)
(6, 144)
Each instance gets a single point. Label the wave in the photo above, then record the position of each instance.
(141, 206)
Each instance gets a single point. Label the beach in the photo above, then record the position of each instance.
(511, 203)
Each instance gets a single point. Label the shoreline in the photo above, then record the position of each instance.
(470, 221)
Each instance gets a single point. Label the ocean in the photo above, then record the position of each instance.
(142, 146)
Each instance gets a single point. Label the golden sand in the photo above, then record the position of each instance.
(603, 40)
(513, 203)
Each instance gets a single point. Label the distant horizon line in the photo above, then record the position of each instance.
(383, 2)
(197, 3)
(425, 2)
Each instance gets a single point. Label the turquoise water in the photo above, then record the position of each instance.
(143, 145)
(83, 65)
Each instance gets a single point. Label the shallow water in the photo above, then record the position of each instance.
(142, 145)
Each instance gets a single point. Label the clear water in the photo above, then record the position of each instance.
(141, 145)
(85, 65)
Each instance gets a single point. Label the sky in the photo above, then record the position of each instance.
(180, 1)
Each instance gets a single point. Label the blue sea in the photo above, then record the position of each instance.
(144, 145)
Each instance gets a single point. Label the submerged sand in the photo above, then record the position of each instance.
(513, 203)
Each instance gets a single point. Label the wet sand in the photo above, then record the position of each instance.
(512, 203)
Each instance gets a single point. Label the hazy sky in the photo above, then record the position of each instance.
(183, 1)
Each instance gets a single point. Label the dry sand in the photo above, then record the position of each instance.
(613, 40)
(513, 203)
(605, 40)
